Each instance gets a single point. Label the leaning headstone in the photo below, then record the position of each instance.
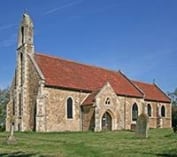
(142, 126)
(11, 139)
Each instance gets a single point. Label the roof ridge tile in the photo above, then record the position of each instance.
(77, 62)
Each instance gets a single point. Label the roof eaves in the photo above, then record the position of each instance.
(67, 88)
(130, 96)
(163, 101)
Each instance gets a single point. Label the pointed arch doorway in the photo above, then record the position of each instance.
(106, 122)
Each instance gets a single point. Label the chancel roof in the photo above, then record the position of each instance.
(152, 92)
(67, 74)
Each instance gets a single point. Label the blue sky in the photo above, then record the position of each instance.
(138, 37)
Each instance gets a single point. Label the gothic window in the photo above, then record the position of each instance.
(13, 108)
(149, 110)
(21, 60)
(69, 108)
(134, 112)
(108, 101)
(22, 34)
(163, 111)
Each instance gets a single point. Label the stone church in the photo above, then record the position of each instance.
(54, 94)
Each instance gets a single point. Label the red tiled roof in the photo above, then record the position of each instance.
(90, 98)
(152, 92)
(68, 74)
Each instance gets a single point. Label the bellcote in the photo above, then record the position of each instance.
(25, 35)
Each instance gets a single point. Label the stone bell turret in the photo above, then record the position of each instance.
(25, 50)
(25, 35)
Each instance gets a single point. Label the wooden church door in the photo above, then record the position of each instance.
(106, 122)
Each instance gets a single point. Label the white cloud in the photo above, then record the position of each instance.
(63, 6)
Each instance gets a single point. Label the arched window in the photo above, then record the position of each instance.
(22, 35)
(149, 110)
(134, 112)
(21, 70)
(107, 101)
(69, 108)
(13, 108)
(163, 111)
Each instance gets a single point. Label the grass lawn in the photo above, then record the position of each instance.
(161, 142)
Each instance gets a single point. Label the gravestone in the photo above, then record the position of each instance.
(142, 126)
(11, 139)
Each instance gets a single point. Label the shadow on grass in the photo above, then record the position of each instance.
(166, 153)
(20, 154)
(172, 135)
(169, 153)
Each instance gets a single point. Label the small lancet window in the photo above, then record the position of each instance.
(108, 101)
(149, 110)
(13, 108)
(21, 60)
(69, 108)
(163, 111)
(20, 105)
(22, 35)
(134, 112)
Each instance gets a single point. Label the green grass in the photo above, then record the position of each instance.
(161, 142)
